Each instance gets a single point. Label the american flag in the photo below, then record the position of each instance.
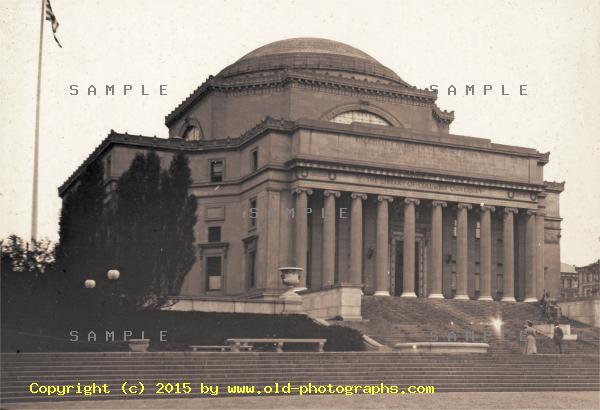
(52, 19)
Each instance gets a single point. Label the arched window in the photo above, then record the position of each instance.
(364, 117)
(192, 133)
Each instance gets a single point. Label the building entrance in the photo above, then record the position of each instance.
(399, 269)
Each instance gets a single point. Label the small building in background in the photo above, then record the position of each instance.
(589, 279)
(569, 279)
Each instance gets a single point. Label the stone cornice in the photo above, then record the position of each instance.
(286, 77)
(288, 127)
(408, 174)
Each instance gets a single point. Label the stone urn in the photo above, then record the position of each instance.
(138, 345)
(290, 276)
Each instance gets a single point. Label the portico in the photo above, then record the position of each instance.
(413, 229)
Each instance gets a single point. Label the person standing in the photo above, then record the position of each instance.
(558, 336)
(530, 347)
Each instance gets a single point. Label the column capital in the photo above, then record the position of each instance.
(531, 212)
(486, 208)
(541, 213)
(382, 198)
(463, 205)
(439, 203)
(329, 192)
(413, 201)
(308, 191)
(511, 210)
(358, 195)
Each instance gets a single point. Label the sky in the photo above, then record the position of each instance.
(551, 46)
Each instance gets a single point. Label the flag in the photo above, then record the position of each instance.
(52, 19)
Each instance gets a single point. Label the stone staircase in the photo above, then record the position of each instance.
(391, 320)
(447, 373)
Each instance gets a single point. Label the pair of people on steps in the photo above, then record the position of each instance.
(531, 347)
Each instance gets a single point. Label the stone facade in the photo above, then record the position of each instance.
(310, 153)
(589, 279)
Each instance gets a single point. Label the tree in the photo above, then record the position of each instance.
(29, 281)
(179, 213)
(154, 225)
(81, 252)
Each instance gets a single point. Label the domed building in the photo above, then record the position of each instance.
(310, 153)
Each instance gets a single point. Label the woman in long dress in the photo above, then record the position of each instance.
(531, 347)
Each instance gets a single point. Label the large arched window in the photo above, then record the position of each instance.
(364, 117)
(192, 133)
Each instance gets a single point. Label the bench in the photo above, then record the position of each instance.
(203, 348)
(236, 344)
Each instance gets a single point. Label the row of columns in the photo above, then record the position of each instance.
(533, 254)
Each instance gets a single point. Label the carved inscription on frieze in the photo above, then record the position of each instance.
(421, 185)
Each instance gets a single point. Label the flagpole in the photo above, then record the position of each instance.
(36, 144)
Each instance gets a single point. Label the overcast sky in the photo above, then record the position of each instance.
(553, 47)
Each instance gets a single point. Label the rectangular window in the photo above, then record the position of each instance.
(253, 213)
(252, 269)
(214, 234)
(254, 160)
(477, 283)
(478, 230)
(454, 228)
(213, 273)
(108, 168)
(500, 284)
(217, 168)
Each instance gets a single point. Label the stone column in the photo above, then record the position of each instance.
(462, 251)
(328, 269)
(540, 285)
(301, 231)
(408, 268)
(485, 253)
(382, 286)
(356, 238)
(508, 262)
(436, 249)
(530, 259)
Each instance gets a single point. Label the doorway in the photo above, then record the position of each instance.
(399, 268)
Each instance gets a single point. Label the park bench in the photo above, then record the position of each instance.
(235, 345)
(203, 348)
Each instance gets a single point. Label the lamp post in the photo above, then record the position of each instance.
(113, 292)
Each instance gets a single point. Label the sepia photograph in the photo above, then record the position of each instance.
(300, 204)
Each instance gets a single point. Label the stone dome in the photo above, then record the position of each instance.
(310, 54)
